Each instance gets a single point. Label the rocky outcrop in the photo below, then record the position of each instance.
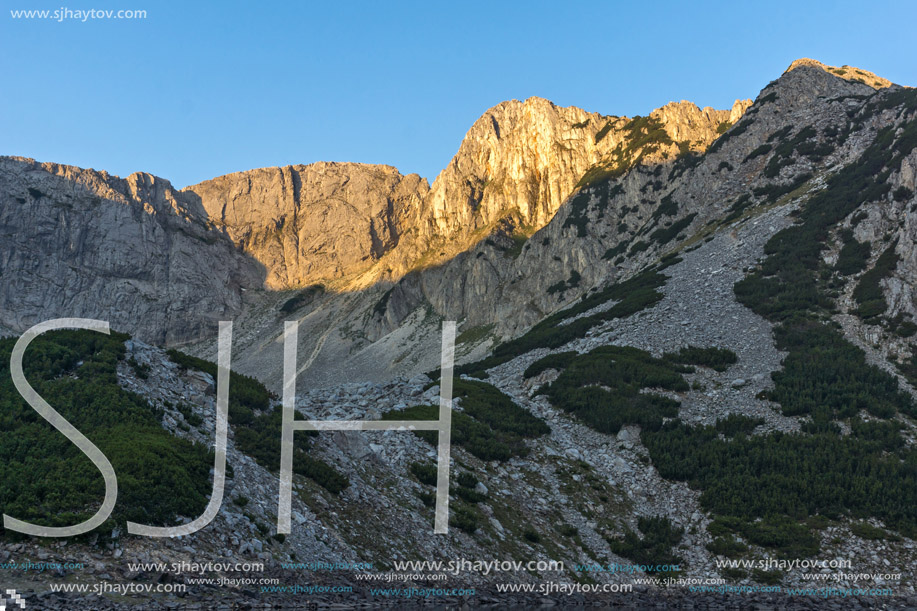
(317, 223)
(133, 251)
(845, 72)
(521, 160)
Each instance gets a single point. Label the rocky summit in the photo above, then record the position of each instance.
(685, 338)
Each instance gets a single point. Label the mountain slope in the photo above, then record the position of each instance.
(703, 357)
(800, 126)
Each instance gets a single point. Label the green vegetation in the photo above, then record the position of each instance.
(902, 194)
(764, 149)
(737, 130)
(604, 388)
(518, 243)
(578, 205)
(901, 327)
(803, 143)
(642, 136)
(737, 424)
(558, 360)
(188, 414)
(767, 487)
(381, 306)
(258, 426)
(490, 426)
(614, 251)
(424, 472)
(46, 480)
(487, 404)
(718, 359)
(476, 437)
(464, 518)
(727, 546)
(667, 234)
(853, 256)
(868, 292)
(466, 479)
(638, 247)
(795, 475)
(599, 135)
(564, 285)
(142, 371)
(654, 547)
(631, 296)
(773, 192)
(531, 535)
(827, 377)
(667, 207)
(473, 335)
(246, 395)
(738, 208)
(865, 530)
(790, 538)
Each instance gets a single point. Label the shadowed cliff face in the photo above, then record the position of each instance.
(133, 251)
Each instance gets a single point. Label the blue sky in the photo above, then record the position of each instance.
(200, 89)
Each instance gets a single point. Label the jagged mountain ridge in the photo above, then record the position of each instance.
(498, 286)
(604, 234)
(348, 225)
(515, 167)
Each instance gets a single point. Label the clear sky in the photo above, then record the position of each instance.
(200, 89)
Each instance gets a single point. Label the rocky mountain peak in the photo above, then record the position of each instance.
(849, 73)
(521, 160)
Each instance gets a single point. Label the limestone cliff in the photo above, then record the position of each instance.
(313, 224)
(133, 251)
